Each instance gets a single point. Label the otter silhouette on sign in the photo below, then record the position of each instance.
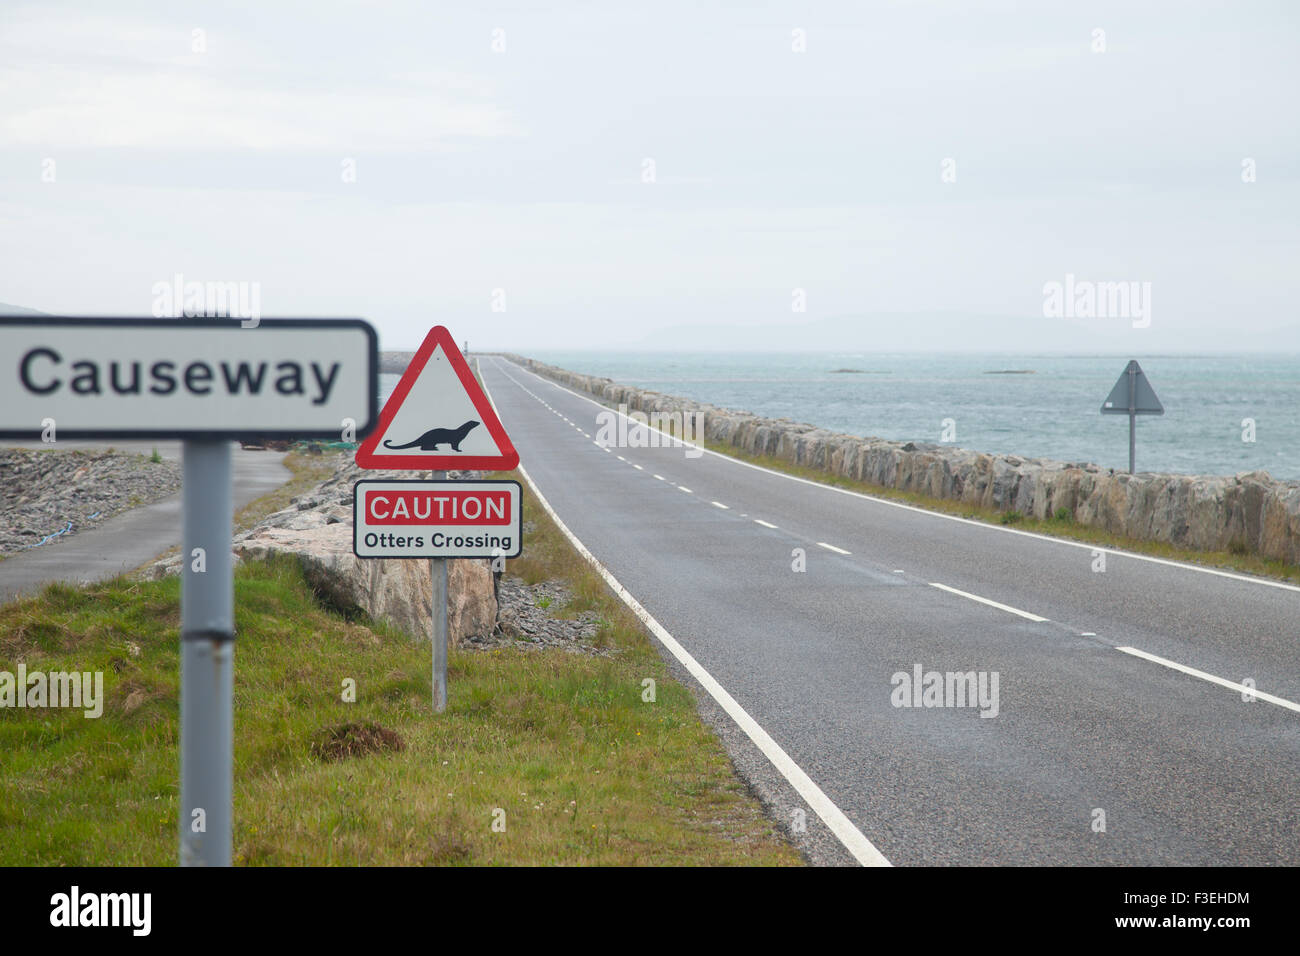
(434, 437)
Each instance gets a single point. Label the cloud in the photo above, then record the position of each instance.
(75, 84)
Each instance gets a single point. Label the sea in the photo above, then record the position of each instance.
(1223, 414)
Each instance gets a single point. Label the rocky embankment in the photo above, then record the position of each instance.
(1245, 513)
(45, 496)
(483, 611)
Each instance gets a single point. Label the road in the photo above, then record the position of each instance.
(1175, 763)
(129, 539)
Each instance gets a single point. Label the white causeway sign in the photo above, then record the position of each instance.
(187, 378)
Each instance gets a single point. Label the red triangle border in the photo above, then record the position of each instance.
(506, 461)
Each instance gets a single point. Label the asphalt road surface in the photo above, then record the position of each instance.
(129, 539)
(1157, 743)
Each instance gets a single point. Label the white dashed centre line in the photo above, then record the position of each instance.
(765, 524)
(660, 477)
(719, 504)
(685, 489)
(1193, 672)
(975, 597)
(831, 547)
(638, 468)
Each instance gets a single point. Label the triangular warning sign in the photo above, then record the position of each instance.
(438, 417)
(1143, 396)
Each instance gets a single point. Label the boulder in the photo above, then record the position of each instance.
(471, 599)
(395, 590)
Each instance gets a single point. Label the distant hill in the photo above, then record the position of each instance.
(7, 309)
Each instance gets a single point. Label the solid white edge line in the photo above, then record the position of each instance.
(934, 514)
(831, 547)
(983, 600)
(863, 850)
(1193, 672)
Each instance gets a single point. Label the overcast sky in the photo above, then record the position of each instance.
(522, 169)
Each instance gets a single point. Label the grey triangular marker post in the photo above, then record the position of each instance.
(1132, 396)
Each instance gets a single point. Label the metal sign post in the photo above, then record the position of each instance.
(1131, 371)
(439, 625)
(207, 655)
(1132, 396)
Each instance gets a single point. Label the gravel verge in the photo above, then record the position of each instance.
(45, 496)
(525, 618)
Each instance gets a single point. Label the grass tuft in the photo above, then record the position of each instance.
(355, 740)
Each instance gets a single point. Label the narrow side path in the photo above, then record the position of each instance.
(130, 539)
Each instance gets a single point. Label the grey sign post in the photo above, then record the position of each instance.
(1132, 396)
(439, 635)
(207, 654)
(208, 382)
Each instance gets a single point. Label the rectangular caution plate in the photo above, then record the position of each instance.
(437, 519)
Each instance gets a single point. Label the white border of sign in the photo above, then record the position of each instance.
(366, 417)
(515, 528)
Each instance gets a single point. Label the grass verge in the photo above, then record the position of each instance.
(559, 747)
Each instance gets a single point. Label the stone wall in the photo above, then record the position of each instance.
(1248, 512)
